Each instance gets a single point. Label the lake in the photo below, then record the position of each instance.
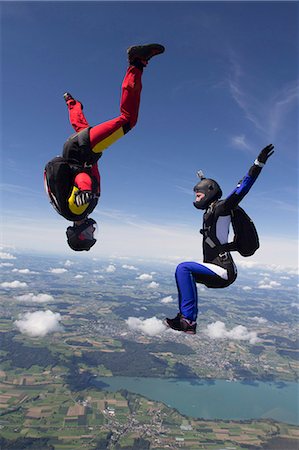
(216, 399)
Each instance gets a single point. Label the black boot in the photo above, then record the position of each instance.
(180, 323)
(67, 96)
(141, 54)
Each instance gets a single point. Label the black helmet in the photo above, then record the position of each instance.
(211, 190)
(81, 237)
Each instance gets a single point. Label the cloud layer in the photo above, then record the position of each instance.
(39, 298)
(58, 270)
(4, 255)
(24, 271)
(268, 284)
(13, 284)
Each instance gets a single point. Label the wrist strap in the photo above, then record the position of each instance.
(259, 163)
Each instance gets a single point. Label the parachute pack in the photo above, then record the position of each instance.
(58, 177)
(246, 240)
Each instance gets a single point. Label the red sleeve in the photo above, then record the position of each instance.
(96, 174)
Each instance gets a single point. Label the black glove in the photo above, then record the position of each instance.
(83, 197)
(265, 154)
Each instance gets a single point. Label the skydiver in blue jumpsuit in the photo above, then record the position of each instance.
(218, 269)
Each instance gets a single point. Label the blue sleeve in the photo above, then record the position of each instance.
(242, 188)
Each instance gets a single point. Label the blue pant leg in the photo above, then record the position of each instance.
(187, 290)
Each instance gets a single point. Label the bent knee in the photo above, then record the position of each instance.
(182, 267)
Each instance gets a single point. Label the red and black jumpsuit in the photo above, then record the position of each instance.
(85, 147)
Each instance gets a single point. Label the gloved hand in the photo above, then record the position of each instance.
(83, 197)
(265, 154)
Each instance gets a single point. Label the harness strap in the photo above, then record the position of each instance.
(222, 248)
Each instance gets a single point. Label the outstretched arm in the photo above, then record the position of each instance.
(246, 183)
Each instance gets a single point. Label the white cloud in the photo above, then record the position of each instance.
(58, 270)
(78, 276)
(126, 266)
(268, 284)
(153, 285)
(111, 268)
(217, 330)
(38, 323)
(145, 277)
(246, 288)
(263, 264)
(295, 305)
(151, 326)
(4, 255)
(260, 320)
(39, 298)
(6, 264)
(24, 271)
(68, 263)
(13, 284)
(167, 299)
(127, 286)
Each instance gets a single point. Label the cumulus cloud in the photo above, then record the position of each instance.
(268, 284)
(4, 264)
(111, 268)
(78, 276)
(4, 255)
(24, 271)
(38, 323)
(151, 326)
(39, 298)
(145, 277)
(126, 266)
(153, 285)
(13, 284)
(58, 270)
(68, 263)
(247, 288)
(167, 299)
(260, 320)
(218, 330)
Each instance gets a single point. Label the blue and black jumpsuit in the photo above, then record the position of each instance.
(218, 269)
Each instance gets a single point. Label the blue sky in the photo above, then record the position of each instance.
(226, 86)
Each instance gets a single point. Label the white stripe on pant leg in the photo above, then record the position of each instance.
(220, 271)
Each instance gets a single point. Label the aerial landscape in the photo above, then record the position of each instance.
(184, 112)
(69, 328)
